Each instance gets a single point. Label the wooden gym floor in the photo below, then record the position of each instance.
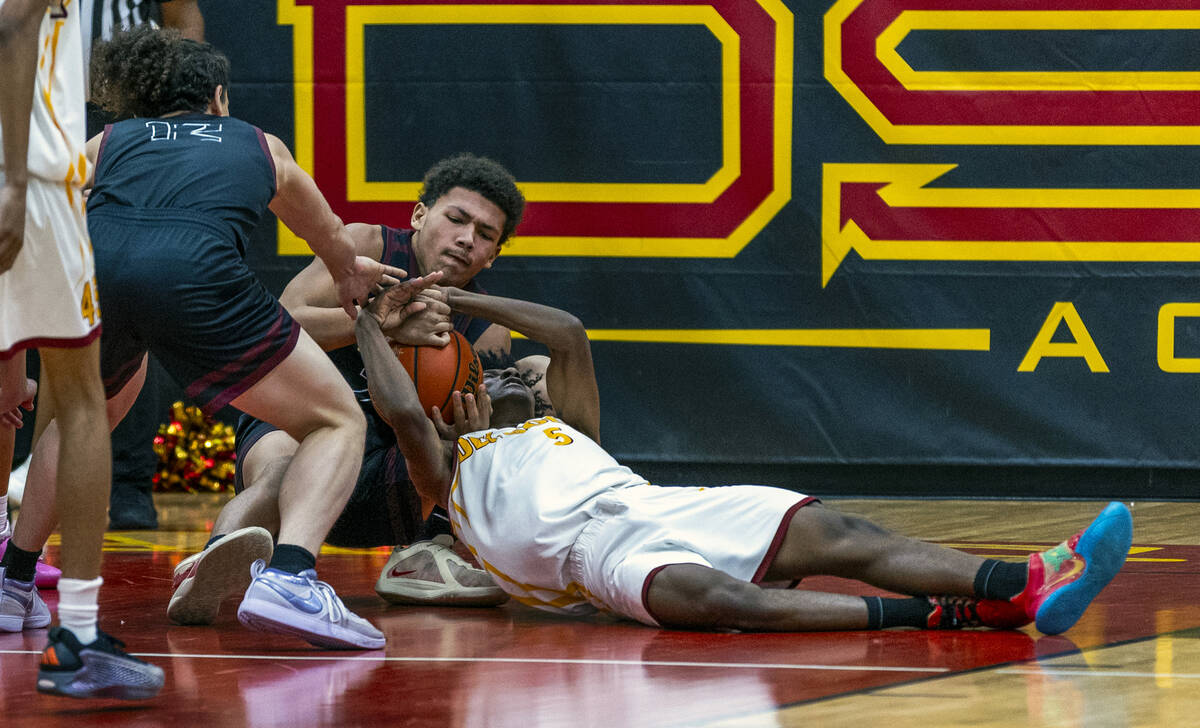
(1134, 659)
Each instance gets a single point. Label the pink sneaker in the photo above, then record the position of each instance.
(45, 576)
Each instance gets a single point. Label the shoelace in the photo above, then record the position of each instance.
(325, 593)
(328, 597)
(115, 644)
(958, 612)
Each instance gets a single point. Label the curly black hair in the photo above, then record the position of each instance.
(149, 71)
(478, 174)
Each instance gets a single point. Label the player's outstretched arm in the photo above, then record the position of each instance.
(19, 21)
(395, 397)
(571, 376)
(306, 212)
(311, 298)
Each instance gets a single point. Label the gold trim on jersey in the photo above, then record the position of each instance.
(574, 593)
(48, 89)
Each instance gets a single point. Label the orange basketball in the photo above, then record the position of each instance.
(439, 372)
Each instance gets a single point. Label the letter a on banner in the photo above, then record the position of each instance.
(1082, 346)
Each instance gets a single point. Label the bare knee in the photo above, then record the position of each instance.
(268, 478)
(690, 596)
(845, 528)
(258, 502)
(345, 418)
(350, 418)
(823, 541)
(266, 458)
(71, 384)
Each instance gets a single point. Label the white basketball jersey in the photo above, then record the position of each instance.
(519, 499)
(58, 125)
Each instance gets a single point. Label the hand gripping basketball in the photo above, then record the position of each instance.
(439, 372)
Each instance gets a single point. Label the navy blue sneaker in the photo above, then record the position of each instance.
(100, 669)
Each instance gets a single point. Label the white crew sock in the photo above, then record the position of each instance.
(5, 531)
(77, 607)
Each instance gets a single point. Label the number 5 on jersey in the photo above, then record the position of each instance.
(559, 437)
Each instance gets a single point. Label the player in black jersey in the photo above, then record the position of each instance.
(468, 208)
(177, 190)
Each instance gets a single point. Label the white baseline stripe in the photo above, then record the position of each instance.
(1097, 673)
(533, 660)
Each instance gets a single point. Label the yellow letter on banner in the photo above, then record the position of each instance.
(1167, 361)
(1082, 346)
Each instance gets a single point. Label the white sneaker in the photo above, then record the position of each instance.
(430, 573)
(304, 606)
(203, 580)
(21, 607)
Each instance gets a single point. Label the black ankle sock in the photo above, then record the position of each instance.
(883, 612)
(437, 523)
(19, 564)
(1000, 579)
(215, 537)
(292, 559)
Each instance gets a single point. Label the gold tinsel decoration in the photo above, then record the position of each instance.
(195, 453)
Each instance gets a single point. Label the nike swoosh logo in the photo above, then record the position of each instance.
(1063, 576)
(184, 575)
(308, 603)
(397, 574)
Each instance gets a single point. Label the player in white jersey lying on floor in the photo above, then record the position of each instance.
(563, 527)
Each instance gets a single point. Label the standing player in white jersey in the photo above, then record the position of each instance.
(563, 527)
(48, 300)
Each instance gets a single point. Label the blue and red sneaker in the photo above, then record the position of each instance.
(1064, 580)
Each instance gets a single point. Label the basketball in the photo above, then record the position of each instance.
(439, 372)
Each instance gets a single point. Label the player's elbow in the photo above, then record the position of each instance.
(292, 300)
(569, 332)
(405, 417)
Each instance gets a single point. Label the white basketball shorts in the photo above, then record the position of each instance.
(49, 296)
(736, 529)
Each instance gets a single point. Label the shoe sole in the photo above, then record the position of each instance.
(225, 570)
(266, 617)
(20, 624)
(1104, 547)
(62, 683)
(442, 595)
